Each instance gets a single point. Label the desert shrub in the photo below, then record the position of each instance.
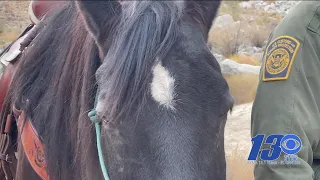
(252, 27)
(243, 59)
(242, 87)
(258, 35)
(226, 41)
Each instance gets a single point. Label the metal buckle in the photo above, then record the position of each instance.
(8, 159)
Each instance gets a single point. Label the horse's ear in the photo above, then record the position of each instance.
(203, 12)
(99, 16)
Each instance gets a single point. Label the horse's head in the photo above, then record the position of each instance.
(162, 99)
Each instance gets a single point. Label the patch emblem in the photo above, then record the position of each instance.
(279, 57)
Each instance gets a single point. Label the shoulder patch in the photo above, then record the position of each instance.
(279, 57)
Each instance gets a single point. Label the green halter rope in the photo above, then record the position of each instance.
(93, 117)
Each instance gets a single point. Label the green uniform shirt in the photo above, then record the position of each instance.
(288, 95)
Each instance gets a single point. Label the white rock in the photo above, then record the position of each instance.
(219, 57)
(245, 54)
(256, 49)
(249, 69)
(259, 6)
(270, 7)
(281, 7)
(230, 67)
(223, 20)
(246, 5)
(266, 8)
(213, 50)
(246, 49)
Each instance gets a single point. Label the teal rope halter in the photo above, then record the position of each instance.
(93, 117)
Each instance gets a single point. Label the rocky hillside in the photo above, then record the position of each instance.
(280, 7)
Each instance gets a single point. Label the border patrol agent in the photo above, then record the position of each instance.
(288, 94)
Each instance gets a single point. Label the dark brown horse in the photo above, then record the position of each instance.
(162, 101)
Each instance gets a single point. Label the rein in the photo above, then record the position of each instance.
(93, 117)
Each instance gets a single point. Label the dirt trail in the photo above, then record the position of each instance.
(237, 131)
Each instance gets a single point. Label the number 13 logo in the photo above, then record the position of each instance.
(289, 144)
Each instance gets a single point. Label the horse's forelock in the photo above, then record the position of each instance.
(147, 30)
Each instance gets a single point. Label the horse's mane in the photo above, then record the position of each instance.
(55, 86)
(147, 31)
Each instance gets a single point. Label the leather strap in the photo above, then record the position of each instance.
(6, 148)
(9, 56)
(5, 82)
(7, 156)
(33, 148)
(8, 160)
(31, 143)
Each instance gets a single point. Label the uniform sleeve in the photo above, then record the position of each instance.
(290, 105)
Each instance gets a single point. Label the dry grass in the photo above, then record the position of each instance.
(13, 19)
(231, 7)
(243, 87)
(238, 13)
(14, 13)
(238, 166)
(227, 40)
(267, 19)
(243, 59)
(7, 37)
